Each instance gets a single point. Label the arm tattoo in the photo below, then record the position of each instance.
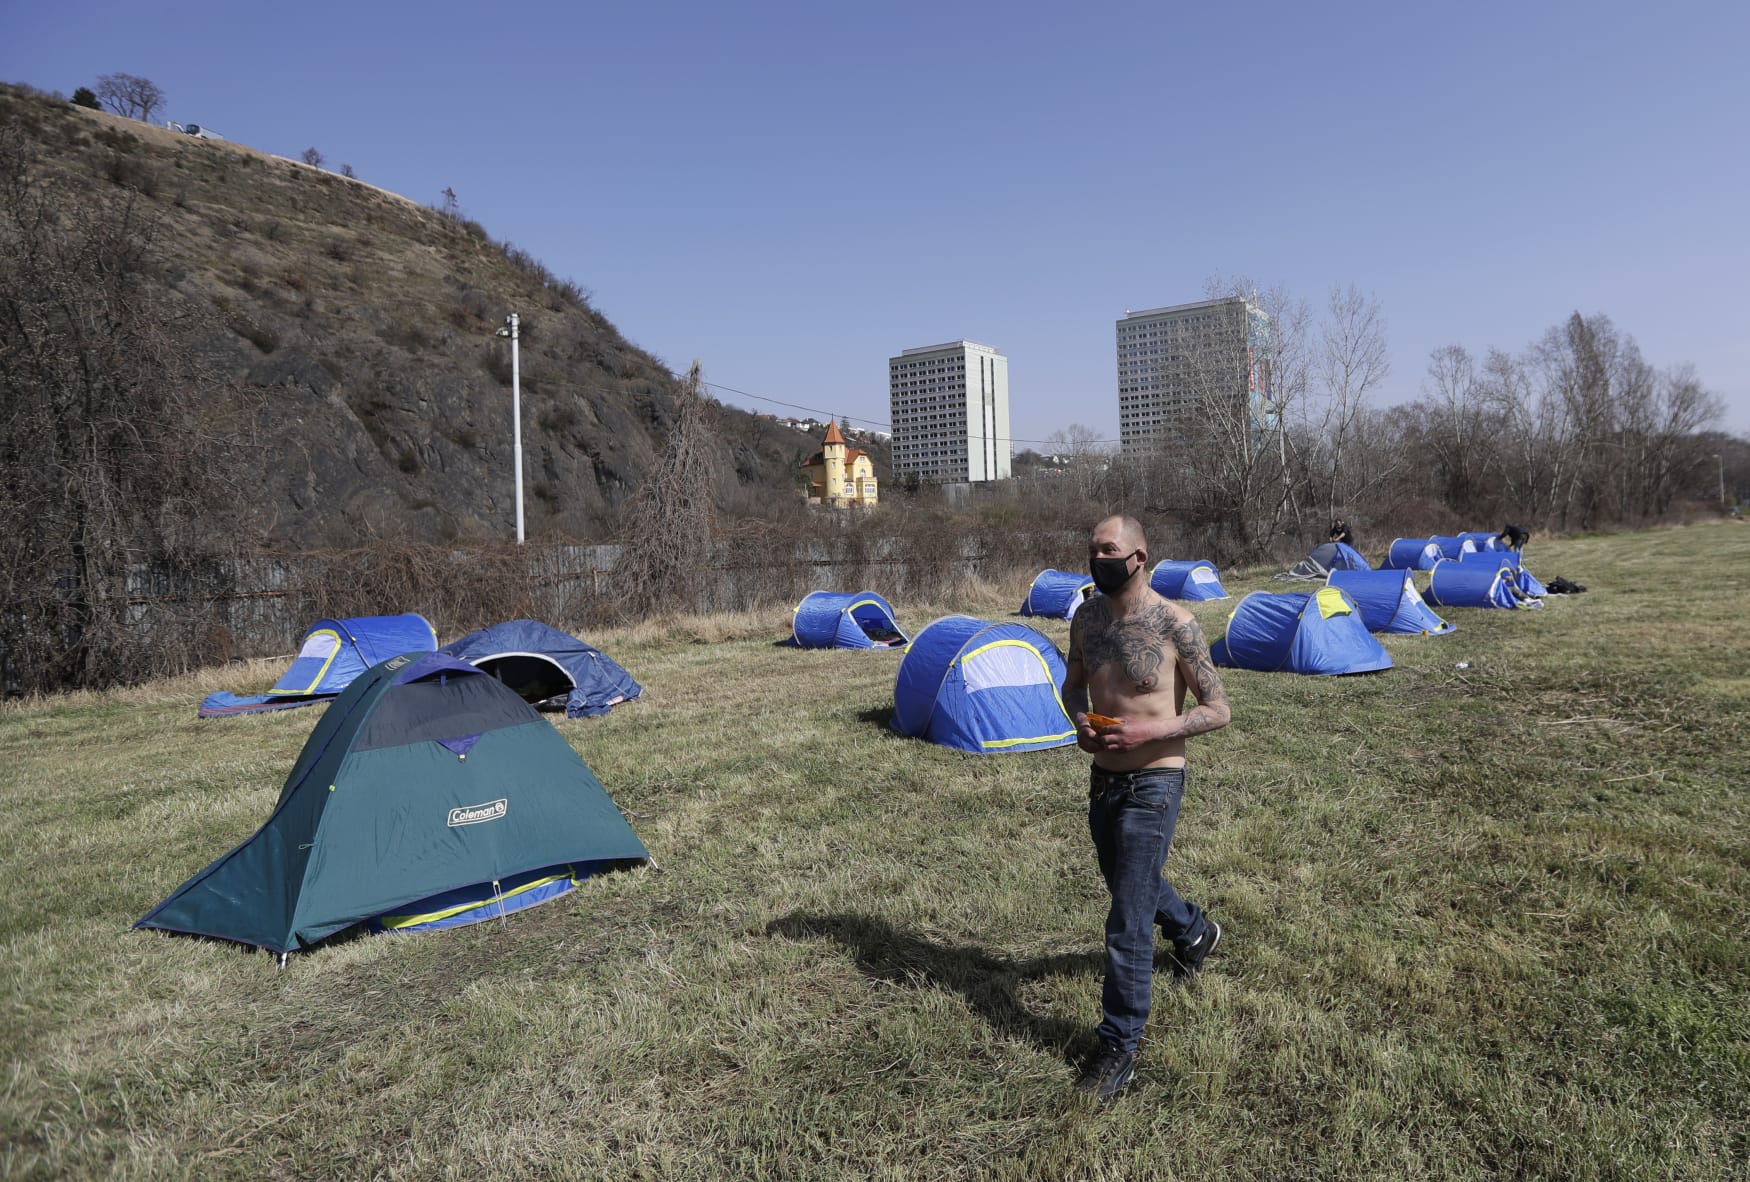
(1075, 700)
(1075, 684)
(1211, 711)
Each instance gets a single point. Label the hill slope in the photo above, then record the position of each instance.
(365, 322)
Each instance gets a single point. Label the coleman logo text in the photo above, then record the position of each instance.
(474, 814)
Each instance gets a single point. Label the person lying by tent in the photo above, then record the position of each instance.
(1514, 537)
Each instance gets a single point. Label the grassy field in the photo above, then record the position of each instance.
(1490, 922)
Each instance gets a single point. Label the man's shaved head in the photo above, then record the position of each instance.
(1127, 531)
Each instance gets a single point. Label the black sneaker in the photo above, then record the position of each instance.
(1107, 1073)
(1188, 958)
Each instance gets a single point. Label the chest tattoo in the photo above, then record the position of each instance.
(1139, 643)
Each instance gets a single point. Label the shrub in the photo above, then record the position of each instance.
(259, 335)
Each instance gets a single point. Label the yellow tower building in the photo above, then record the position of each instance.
(839, 474)
(832, 453)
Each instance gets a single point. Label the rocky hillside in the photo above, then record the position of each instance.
(364, 324)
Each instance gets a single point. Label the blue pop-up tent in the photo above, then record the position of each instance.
(331, 654)
(1389, 602)
(1452, 546)
(1056, 593)
(1315, 632)
(982, 686)
(829, 619)
(1482, 539)
(1475, 584)
(1411, 554)
(1512, 560)
(1186, 580)
(540, 662)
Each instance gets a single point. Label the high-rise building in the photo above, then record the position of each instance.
(950, 412)
(1175, 364)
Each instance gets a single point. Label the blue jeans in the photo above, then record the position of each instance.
(1131, 816)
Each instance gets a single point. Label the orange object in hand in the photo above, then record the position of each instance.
(1103, 720)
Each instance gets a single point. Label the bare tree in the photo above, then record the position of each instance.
(1085, 459)
(1217, 470)
(1230, 472)
(105, 455)
(1349, 363)
(671, 523)
(129, 95)
(311, 157)
(346, 171)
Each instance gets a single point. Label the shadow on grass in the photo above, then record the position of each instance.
(881, 716)
(990, 982)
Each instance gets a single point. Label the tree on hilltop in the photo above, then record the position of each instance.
(129, 95)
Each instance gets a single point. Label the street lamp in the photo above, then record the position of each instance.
(516, 416)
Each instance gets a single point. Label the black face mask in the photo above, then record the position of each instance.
(1110, 574)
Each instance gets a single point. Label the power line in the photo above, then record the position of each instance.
(827, 416)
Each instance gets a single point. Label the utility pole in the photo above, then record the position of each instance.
(510, 330)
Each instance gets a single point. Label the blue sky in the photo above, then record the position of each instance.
(793, 193)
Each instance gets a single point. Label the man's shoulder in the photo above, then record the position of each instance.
(1171, 614)
(1095, 612)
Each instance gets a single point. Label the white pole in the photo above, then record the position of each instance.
(516, 411)
(1721, 461)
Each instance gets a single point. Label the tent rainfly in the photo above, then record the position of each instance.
(828, 619)
(1411, 554)
(1057, 594)
(983, 687)
(1389, 602)
(1186, 580)
(428, 795)
(542, 663)
(332, 653)
(1475, 584)
(1324, 558)
(1314, 632)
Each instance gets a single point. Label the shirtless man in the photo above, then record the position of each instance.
(1135, 655)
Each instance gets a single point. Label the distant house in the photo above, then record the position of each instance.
(839, 475)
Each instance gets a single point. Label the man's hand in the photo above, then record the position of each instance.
(1096, 733)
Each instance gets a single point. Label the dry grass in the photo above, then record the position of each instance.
(1482, 923)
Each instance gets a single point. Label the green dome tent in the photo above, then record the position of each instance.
(428, 795)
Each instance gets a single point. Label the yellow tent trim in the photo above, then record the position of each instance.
(1035, 739)
(1049, 680)
(984, 648)
(320, 673)
(410, 921)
